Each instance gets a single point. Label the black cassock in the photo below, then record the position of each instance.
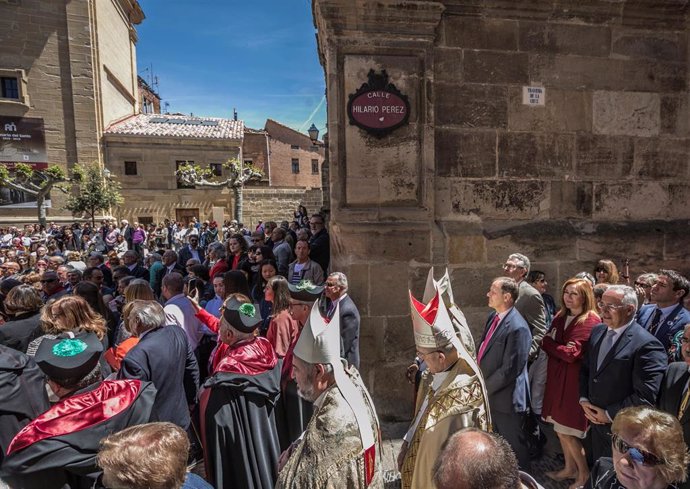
(238, 416)
(58, 449)
(22, 394)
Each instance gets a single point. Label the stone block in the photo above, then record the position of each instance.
(471, 105)
(466, 249)
(586, 40)
(626, 113)
(679, 208)
(644, 252)
(537, 240)
(393, 396)
(470, 284)
(382, 245)
(603, 157)
(371, 338)
(586, 11)
(571, 199)
(478, 33)
(465, 153)
(529, 155)
(390, 295)
(662, 158)
(641, 44)
(398, 340)
(581, 72)
(500, 199)
(677, 243)
(632, 201)
(476, 319)
(358, 284)
(495, 67)
(448, 65)
(675, 114)
(564, 111)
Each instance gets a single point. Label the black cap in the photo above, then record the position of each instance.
(305, 291)
(243, 317)
(69, 356)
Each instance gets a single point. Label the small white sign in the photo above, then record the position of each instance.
(533, 95)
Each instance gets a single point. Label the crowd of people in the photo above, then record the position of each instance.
(128, 355)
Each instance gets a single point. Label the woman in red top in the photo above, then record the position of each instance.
(565, 346)
(283, 329)
(237, 251)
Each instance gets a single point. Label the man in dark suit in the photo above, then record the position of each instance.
(319, 244)
(336, 292)
(622, 367)
(169, 265)
(667, 316)
(502, 357)
(674, 397)
(96, 260)
(131, 260)
(126, 231)
(192, 250)
(163, 357)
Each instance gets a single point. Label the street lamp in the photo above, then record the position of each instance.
(313, 133)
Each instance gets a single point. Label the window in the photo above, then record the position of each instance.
(216, 169)
(145, 220)
(178, 164)
(10, 87)
(130, 167)
(294, 146)
(248, 161)
(314, 167)
(314, 149)
(295, 165)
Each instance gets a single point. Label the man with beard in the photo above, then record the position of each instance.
(58, 449)
(238, 404)
(340, 447)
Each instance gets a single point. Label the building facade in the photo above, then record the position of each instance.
(67, 71)
(555, 129)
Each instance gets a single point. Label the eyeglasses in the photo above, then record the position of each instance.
(600, 270)
(510, 266)
(331, 284)
(422, 356)
(49, 280)
(644, 286)
(607, 307)
(637, 455)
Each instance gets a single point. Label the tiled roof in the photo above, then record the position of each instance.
(180, 126)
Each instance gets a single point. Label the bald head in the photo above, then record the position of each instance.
(475, 459)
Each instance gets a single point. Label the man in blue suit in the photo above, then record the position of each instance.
(622, 367)
(502, 358)
(666, 318)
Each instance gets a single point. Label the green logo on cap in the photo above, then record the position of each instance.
(305, 285)
(69, 348)
(248, 310)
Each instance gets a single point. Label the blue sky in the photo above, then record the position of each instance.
(211, 56)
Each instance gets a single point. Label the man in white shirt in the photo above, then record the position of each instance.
(179, 309)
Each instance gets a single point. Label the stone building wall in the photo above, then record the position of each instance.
(287, 144)
(601, 170)
(53, 42)
(277, 204)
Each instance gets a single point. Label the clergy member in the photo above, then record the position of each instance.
(238, 404)
(451, 396)
(58, 449)
(340, 447)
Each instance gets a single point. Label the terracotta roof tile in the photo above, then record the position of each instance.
(183, 126)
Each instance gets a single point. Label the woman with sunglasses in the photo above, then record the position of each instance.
(648, 452)
(606, 272)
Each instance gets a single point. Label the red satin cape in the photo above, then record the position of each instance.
(252, 357)
(79, 412)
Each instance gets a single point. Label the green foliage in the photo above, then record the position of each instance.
(93, 193)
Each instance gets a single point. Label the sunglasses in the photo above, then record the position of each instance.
(637, 455)
(49, 281)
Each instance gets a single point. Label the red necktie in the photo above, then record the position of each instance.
(489, 334)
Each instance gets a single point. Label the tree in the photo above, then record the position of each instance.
(94, 191)
(38, 183)
(239, 175)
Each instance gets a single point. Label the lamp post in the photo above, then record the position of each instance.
(313, 133)
(106, 178)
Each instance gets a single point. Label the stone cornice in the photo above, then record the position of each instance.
(667, 14)
(416, 19)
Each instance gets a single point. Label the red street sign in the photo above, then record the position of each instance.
(378, 107)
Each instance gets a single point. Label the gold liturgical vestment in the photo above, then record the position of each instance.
(329, 454)
(458, 403)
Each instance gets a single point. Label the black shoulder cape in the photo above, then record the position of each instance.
(238, 419)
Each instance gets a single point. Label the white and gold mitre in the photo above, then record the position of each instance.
(432, 325)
